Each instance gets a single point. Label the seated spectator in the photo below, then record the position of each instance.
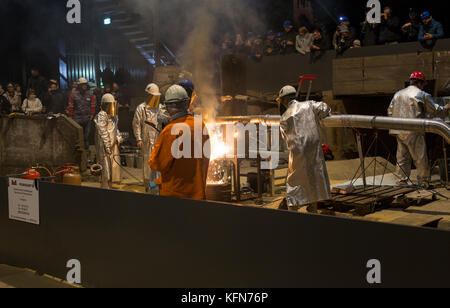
(411, 29)
(389, 28)
(369, 32)
(356, 44)
(343, 39)
(239, 44)
(319, 45)
(288, 38)
(304, 41)
(13, 98)
(5, 106)
(271, 46)
(32, 104)
(55, 101)
(430, 31)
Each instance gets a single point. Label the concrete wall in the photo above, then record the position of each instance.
(27, 141)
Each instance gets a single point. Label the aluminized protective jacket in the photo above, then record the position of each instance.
(413, 103)
(148, 134)
(107, 142)
(307, 180)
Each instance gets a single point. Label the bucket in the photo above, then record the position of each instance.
(130, 160)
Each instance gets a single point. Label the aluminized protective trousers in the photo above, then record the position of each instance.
(412, 147)
(107, 147)
(307, 182)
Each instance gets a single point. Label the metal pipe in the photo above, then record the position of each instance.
(263, 119)
(356, 121)
(387, 123)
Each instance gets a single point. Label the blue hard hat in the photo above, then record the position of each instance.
(425, 15)
(343, 18)
(287, 23)
(188, 85)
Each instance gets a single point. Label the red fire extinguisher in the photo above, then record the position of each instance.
(31, 174)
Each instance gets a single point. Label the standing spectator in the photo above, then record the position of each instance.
(369, 32)
(107, 75)
(19, 92)
(270, 46)
(98, 92)
(356, 44)
(389, 28)
(258, 48)
(239, 44)
(304, 41)
(343, 39)
(345, 21)
(38, 83)
(55, 101)
(319, 45)
(81, 108)
(5, 106)
(227, 45)
(289, 38)
(249, 43)
(430, 31)
(13, 98)
(32, 104)
(412, 27)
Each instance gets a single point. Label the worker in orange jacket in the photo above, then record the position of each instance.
(178, 155)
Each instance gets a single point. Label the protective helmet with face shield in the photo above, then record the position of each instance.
(153, 96)
(110, 105)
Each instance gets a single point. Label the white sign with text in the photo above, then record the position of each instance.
(23, 201)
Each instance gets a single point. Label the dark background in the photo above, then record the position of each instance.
(30, 30)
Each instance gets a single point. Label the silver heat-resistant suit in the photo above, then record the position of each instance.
(107, 142)
(307, 181)
(413, 103)
(148, 133)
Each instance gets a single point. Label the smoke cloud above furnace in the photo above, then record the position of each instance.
(195, 30)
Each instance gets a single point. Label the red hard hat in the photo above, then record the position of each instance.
(418, 76)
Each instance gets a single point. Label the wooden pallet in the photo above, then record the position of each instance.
(363, 201)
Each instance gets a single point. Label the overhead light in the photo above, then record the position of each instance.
(107, 21)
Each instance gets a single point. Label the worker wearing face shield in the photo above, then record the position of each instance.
(107, 141)
(182, 176)
(414, 102)
(149, 119)
(307, 182)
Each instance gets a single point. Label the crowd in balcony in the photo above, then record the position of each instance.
(314, 40)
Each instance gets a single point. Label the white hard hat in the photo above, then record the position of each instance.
(108, 98)
(153, 89)
(287, 90)
(176, 94)
(82, 80)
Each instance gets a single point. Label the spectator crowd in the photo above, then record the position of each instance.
(314, 40)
